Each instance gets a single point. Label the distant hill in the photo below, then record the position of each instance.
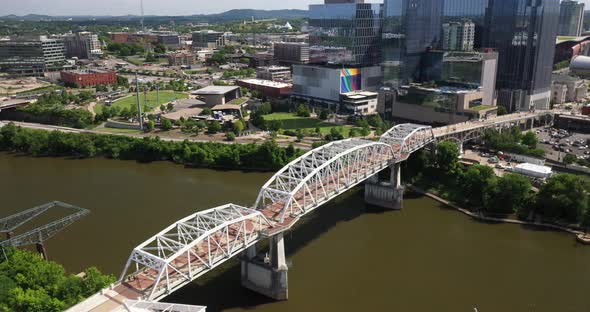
(232, 15)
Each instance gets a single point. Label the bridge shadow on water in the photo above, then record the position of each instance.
(221, 289)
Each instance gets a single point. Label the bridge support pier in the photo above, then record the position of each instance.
(267, 276)
(388, 195)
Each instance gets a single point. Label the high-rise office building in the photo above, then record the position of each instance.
(84, 45)
(523, 32)
(410, 28)
(571, 18)
(31, 56)
(458, 36)
(208, 39)
(345, 32)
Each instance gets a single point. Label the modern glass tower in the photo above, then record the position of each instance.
(345, 33)
(413, 27)
(523, 32)
(571, 18)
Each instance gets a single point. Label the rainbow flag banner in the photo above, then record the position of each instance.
(350, 80)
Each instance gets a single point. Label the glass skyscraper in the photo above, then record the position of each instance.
(523, 32)
(345, 33)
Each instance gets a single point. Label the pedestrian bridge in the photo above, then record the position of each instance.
(197, 244)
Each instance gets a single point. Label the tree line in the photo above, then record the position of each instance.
(267, 156)
(564, 198)
(29, 283)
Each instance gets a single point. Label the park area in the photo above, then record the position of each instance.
(152, 102)
(290, 121)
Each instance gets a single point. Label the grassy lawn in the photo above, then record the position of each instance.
(480, 107)
(238, 101)
(116, 130)
(165, 97)
(291, 121)
(138, 60)
(40, 90)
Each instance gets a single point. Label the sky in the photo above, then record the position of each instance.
(151, 7)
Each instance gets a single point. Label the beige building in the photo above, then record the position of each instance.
(434, 105)
(218, 95)
(566, 89)
(182, 59)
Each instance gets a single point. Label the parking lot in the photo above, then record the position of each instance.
(558, 143)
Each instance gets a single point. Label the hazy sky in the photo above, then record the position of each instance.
(151, 7)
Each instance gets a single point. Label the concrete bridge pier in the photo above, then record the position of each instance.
(386, 194)
(266, 274)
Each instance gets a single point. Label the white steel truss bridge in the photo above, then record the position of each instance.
(198, 243)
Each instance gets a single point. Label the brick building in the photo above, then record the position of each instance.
(182, 58)
(86, 78)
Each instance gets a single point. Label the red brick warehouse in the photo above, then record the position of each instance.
(88, 78)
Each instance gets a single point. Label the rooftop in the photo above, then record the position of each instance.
(226, 107)
(267, 83)
(89, 71)
(185, 113)
(215, 90)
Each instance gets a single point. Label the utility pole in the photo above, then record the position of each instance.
(157, 94)
(139, 118)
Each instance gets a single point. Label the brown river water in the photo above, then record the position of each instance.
(346, 256)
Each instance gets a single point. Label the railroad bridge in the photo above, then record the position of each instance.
(197, 244)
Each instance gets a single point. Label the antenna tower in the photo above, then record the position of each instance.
(141, 5)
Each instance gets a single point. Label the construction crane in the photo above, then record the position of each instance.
(40, 234)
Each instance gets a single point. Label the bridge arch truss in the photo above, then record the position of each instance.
(192, 247)
(405, 139)
(320, 175)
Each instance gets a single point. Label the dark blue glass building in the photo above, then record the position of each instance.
(523, 32)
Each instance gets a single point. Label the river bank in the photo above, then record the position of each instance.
(41, 143)
(580, 236)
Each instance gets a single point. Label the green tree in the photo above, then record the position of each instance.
(530, 139)
(323, 115)
(265, 108)
(303, 111)
(151, 125)
(238, 126)
(166, 124)
(475, 182)
(162, 108)
(300, 135)
(214, 127)
(502, 111)
(447, 157)
(564, 197)
(169, 107)
(569, 159)
(507, 194)
(150, 58)
(230, 136)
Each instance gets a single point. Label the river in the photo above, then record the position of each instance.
(345, 257)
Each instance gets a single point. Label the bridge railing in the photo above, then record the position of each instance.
(191, 247)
